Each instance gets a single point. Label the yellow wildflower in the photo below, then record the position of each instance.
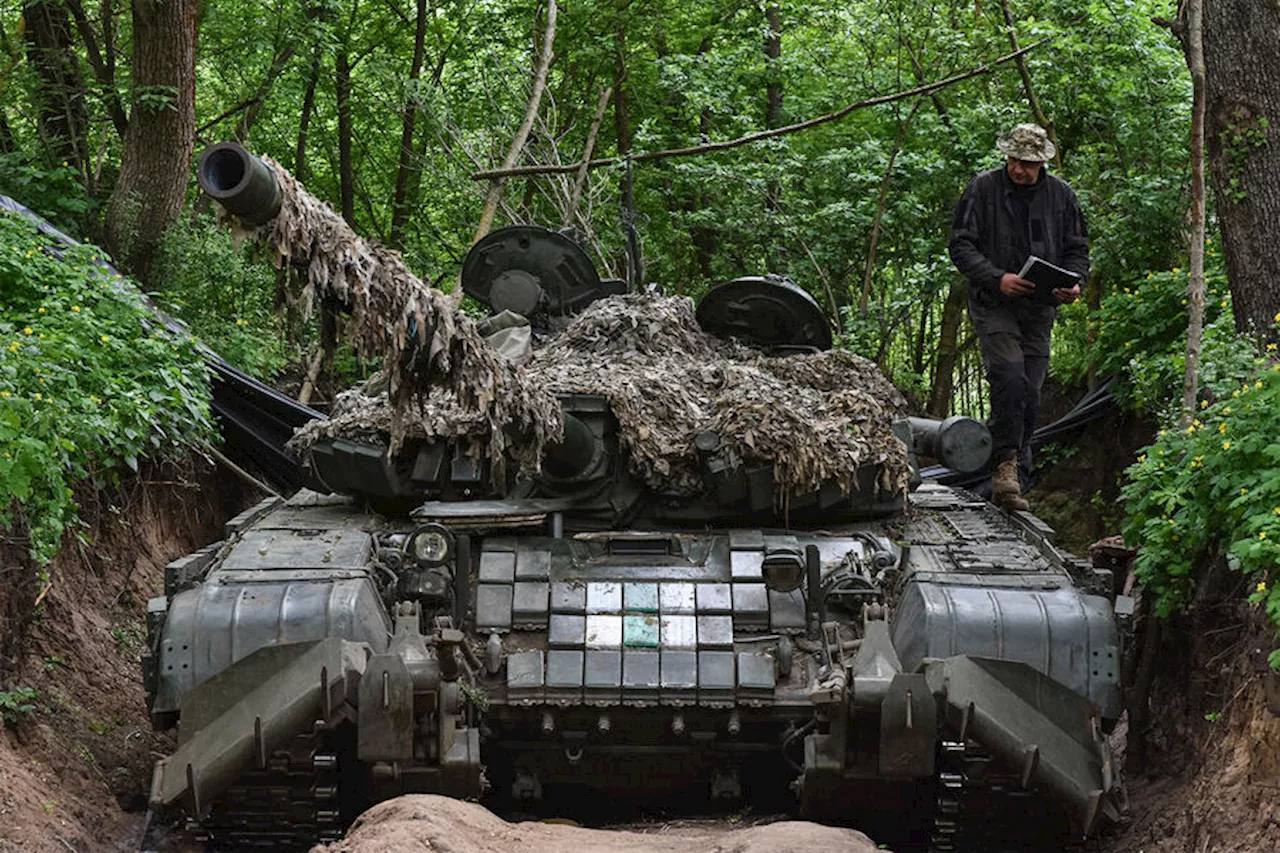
(75, 308)
(38, 396)
(1204, 404)
(40, 310)
(1262, 586)
(1262, 534)
(1257, 384)
(27, 330)
(1270, 347)
(1226, 445)
(5, 394)
(105, 338)
(1142, 457)
(1222, 428)
(1176, 270)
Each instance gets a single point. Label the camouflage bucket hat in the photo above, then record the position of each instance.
(1026, 142)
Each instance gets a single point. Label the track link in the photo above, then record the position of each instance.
(291, 804)
(982, 807)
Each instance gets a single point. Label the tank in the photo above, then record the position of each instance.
(889, 653)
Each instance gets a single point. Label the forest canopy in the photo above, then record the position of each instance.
(389, 110)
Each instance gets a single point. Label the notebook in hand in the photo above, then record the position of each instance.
(1047, 278)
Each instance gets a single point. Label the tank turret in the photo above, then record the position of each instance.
(719, 582)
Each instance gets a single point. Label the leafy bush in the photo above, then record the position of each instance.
(56, 193)
(222, 293)
(1142, 333)
(89, 382)
(1212, 490)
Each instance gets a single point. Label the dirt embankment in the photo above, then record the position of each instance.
(1211, 776)
(424, 823)
(75, 770)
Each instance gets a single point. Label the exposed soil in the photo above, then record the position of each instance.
(1211, 783)
(74, 773)
(428, 824)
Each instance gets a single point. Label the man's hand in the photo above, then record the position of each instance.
(1011, 285)
(1067, 295)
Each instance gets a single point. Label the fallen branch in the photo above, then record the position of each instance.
(522, 135)
(518, 171)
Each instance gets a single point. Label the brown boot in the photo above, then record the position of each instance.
(1006, 490)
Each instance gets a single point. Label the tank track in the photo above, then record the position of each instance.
(981, 807)
(292, 804)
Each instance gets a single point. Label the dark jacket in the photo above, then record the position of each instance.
(983, 241)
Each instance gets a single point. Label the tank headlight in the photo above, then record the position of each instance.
(431, 545)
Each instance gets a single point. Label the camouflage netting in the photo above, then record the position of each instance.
(428, 345)
(813, 418)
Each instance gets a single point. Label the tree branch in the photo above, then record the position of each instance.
(522, 135)
(510, 172)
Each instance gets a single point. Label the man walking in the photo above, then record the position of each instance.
(1005, 216)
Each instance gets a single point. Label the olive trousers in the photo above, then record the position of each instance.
(1014, 338)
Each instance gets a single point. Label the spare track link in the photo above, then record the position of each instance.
(982, 807)
(292, 804)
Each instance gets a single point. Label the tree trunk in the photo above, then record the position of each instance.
(104, 67)
(399, 204)
(944, 362)
(881, 200)
(156, 162)
(346, 179)
(1242, 112)
(62, 120)
(621, 89)
(772, 119)
(304, 121)
(773, 53)
(1195, 279)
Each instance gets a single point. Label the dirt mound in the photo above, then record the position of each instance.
(75, 769)
(425, 823)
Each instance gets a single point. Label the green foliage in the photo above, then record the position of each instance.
(1142, 333)
(1243, 133)
(89, 382)
(1212, 490)
(17, 703)
(223, 293)
(56, 193)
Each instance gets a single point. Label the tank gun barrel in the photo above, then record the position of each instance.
(960, 443)
(240, 182)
